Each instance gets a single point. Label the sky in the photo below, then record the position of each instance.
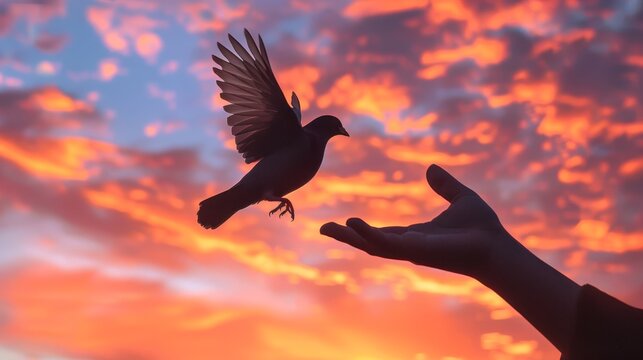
(112, 131)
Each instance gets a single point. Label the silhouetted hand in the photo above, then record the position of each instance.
(461, 239)
(467, 238)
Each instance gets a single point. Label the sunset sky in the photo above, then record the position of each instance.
(112, 131)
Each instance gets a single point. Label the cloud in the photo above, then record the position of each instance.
(46, 108)
(108, 69)
(118, 317)
(155, 128)
(301, 80)
(200, 17)
(170, 67)
(505, 344)
(375, 97)
(148, 45)
(33, 12)
(482, 51)
(47, 68)
(62, 158)
(361, 8)
(10, 81)
(122, 31)
(50, 43)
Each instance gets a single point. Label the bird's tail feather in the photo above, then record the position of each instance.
(215, 210)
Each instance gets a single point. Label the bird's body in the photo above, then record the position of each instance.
(290, 155)
(289, 168)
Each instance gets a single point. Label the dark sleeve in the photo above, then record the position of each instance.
(605, 328)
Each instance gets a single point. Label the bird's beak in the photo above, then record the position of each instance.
(343, 131)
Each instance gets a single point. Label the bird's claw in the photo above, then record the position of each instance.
(289, 209)
(281, 205)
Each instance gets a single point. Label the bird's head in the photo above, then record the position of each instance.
(327, 126)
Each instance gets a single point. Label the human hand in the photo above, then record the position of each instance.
(462, 239)
(467, 238)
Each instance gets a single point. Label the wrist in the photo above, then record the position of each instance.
(504, 255)
(540, 293)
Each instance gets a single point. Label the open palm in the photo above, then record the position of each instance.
(461, 239)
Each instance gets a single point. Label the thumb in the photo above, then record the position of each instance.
(444, 184)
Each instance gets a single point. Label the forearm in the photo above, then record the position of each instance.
(540, 293)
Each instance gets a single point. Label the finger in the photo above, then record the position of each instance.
(368, 232)
(345, 235)
(444, 184)
(412, 245)
(384, 244)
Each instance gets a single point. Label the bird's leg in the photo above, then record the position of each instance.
(282, 202)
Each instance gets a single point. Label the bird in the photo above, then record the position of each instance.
(266, 130)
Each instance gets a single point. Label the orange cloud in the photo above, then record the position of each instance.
(148, 45)
(363, 8)
(615, 242)
(65, 158)
(404, 280)
(533, 15)
(395, 125)
(376, 97)
(300, 79)
(631, 167)
(505, 344)
(425, 157)
(483, 51)
(116, 42)
(101, 20)
(556, 42)
(433, 71)
(342, 342)
(186, 234)
(538, 92)
(369, 183)
(53, 100)
(546, 242)
(567, 176)
(596, 235)
(368, 193)
(484, 132)
(114, 316)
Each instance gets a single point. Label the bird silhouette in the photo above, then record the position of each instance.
(265, 129)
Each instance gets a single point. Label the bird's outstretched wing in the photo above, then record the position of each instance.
(261, 119)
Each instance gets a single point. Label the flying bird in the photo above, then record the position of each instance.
(265, 129)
